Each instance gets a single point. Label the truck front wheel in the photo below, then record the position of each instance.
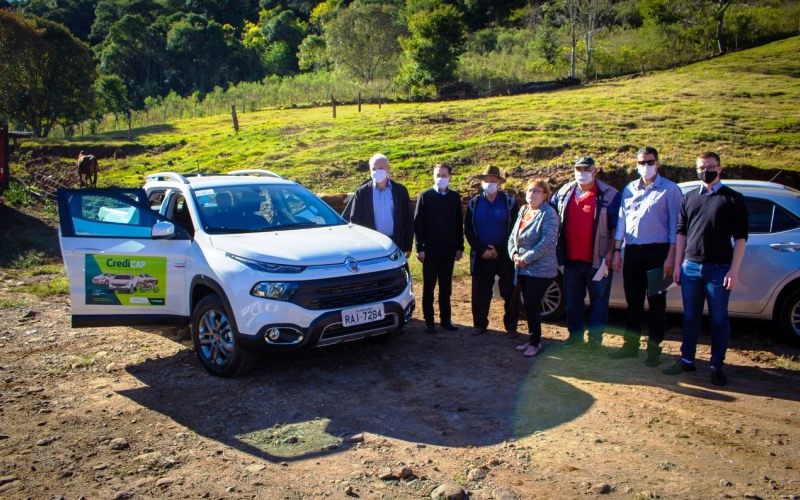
(215, 340)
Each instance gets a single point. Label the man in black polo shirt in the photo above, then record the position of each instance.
(706, 264)
(439, 231)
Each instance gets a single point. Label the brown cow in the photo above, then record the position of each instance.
(88, 169)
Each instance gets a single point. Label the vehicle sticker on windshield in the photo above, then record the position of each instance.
(124, 280)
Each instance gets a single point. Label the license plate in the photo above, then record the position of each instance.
(361, 315)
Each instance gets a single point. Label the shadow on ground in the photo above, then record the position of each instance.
(23, 235)
(449, 389)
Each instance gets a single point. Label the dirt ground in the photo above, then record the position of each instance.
(129, 413)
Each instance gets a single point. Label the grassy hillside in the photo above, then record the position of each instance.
(743, 105)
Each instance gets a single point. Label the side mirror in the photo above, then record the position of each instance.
(163, 230)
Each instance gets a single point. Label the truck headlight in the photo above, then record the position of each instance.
(396, 254)
(266, 266)
(275, 290)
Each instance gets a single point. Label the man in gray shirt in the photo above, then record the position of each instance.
(648, 221)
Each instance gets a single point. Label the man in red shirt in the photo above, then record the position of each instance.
(588, 209)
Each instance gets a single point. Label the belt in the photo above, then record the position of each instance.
(647, 245)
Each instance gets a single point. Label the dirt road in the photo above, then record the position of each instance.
(129, 413)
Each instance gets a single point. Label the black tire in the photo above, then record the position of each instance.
(155, 289)
(553, 303)
(215, 342)
(788, 317)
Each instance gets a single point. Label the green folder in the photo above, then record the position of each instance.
(657, 283)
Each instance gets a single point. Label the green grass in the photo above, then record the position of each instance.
(791, 363)
(742, 105)
(11, 302)
(59, 285)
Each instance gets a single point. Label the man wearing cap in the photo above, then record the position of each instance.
(588, 209)
(648, 225)
(383, 205)
(439, 231)
(487, 226)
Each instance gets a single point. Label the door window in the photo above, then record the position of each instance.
(115, 215)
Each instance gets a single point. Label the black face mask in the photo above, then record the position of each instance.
(707, 176)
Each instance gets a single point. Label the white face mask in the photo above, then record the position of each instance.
(534, 198)
(583, 177)
(489, 188)
(646, 171)
(441, 182)
(379, 175)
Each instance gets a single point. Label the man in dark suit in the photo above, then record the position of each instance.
(383, 205)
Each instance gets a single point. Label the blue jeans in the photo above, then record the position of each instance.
(577, 280)
(701, 283)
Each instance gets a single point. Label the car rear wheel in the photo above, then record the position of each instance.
(789, 317)
(553, 303)
(215, 342)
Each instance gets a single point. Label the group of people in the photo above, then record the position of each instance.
(586, 229)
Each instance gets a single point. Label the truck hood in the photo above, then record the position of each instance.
(307, 247)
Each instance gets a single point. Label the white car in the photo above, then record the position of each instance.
(250, 260)
(769, 279)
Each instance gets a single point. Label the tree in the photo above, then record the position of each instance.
(437, 38)
(363, 39)
(76, 15)
(592, 13)
(46, 74)
(313, 53)
(135, 50)
(112, 95)
(721, 7)
(197, 50)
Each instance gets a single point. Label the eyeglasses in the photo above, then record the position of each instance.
(582, 169)
(536, 191)
(649, 163)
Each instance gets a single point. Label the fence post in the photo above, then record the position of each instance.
(359, 102)
(379, 100)
(235, 120)
(333, 105)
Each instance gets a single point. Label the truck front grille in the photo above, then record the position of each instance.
(351, 291)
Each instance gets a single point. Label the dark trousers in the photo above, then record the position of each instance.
(438, 266)
(577, 281)
(638, 260)
(532, 292)
(483, 273)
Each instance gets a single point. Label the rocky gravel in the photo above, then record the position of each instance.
(125, 413)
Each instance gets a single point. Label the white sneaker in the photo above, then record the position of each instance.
(523, 347)
(533, 350)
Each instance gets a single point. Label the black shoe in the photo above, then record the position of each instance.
(572, 341)
(679, 367)
(653, 359)
(449, 326)
(717, 377)
(430, 327)
(625, 352)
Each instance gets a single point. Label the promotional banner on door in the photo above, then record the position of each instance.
(126, 280)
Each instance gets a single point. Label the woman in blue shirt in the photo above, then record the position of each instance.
(532, 247)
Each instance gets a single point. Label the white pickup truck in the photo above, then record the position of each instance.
(251, 261)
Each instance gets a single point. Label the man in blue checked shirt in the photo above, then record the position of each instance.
(648, 221)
